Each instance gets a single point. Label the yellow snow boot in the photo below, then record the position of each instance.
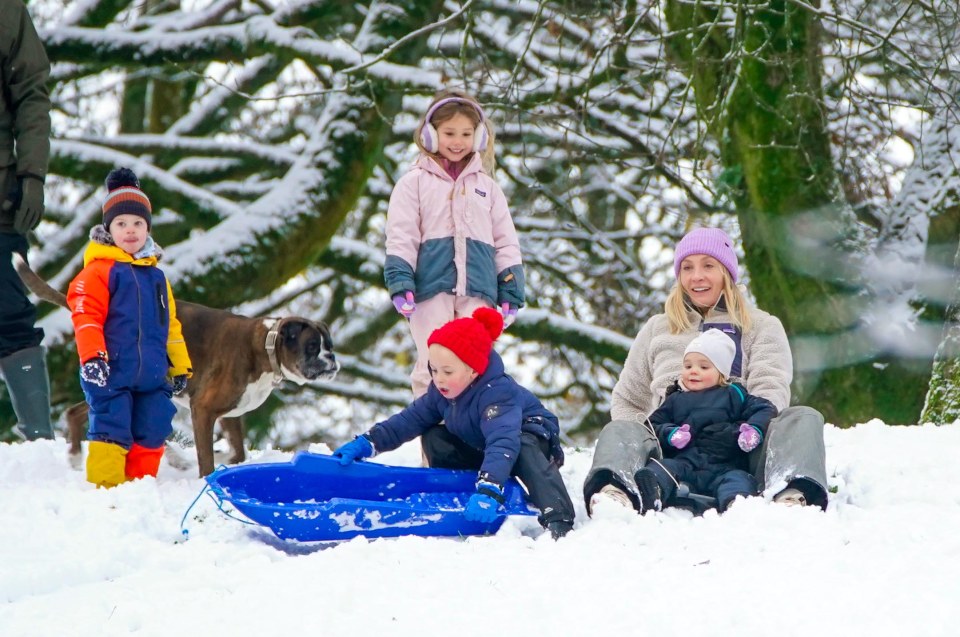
(106, 464)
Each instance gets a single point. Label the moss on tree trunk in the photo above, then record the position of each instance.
(757, 86)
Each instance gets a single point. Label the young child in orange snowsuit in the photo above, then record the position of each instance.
(132, 353)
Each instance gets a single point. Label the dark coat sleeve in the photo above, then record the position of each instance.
(664, 420)
(501, 416)
(758, 412)
(25, 101)
(417, 417)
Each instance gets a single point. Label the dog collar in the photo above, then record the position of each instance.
(271, 346)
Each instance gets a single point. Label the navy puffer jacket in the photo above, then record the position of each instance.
(728, 403)
(489, 416)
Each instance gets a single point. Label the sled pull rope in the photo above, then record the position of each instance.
(218, 501)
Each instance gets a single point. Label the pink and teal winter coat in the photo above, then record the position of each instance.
(454, 236)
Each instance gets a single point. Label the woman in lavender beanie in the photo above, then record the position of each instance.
(791, 463)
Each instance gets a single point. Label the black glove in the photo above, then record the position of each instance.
(552, 430)
(556, 451)
(719, 440)
(179, 384)
(26, 200)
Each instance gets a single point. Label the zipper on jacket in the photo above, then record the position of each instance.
(453, 412)
(136, 281)
(161, 306)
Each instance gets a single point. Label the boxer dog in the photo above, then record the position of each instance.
(237, 362)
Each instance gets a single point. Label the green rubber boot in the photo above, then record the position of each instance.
(25, 372)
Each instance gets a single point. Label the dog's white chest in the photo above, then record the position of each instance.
(253, 396)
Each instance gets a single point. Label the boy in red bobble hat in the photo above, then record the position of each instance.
(132, 353)
(491, 423)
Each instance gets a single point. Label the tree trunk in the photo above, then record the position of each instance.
(943, 400)
(757, 86)
(938, 194)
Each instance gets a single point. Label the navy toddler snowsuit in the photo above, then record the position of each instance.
(720, 470)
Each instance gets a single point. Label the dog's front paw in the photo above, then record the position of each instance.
(75, 460)
(178, 458)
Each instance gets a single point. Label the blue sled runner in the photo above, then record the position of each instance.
(313, 498)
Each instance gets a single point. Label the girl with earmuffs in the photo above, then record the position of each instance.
(451, 243)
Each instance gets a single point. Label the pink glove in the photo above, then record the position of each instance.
(680, 437)
(404, 303)
(749, 437)
(509, 313)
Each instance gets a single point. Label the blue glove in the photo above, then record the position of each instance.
(357, 449)
(95, 371)
(179, 384)
(483, 504)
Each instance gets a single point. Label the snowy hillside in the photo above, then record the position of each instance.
(883, 560)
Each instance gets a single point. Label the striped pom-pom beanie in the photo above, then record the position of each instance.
(124, 197)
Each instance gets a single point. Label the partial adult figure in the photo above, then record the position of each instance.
(24, 151)
(706, 296)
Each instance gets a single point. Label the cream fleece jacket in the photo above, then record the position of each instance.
(656, 358)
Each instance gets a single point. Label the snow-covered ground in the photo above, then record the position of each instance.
(883, 560)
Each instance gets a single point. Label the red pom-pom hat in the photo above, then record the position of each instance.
(471, 338)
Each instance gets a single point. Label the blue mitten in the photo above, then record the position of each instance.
(95, 371)
(483, 504)
(357, 449)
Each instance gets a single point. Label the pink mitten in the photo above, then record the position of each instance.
(749, 437)
(680, 437)
(404, 303)
(509, 313)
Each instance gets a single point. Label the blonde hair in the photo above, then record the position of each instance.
(678, 305)
(452, 109)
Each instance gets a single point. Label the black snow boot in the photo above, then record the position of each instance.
(559, 528)
(25, 373)
(651, 498)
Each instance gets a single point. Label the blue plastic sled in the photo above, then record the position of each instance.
(312, 498)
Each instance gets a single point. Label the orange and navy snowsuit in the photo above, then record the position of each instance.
(123, 306)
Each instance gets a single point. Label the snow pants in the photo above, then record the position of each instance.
(17, 313)
(129, 415)
(723, 483)
(431, 314)
(792, 455)
(533, 468)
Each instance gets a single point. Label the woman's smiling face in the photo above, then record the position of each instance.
(702, 278)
